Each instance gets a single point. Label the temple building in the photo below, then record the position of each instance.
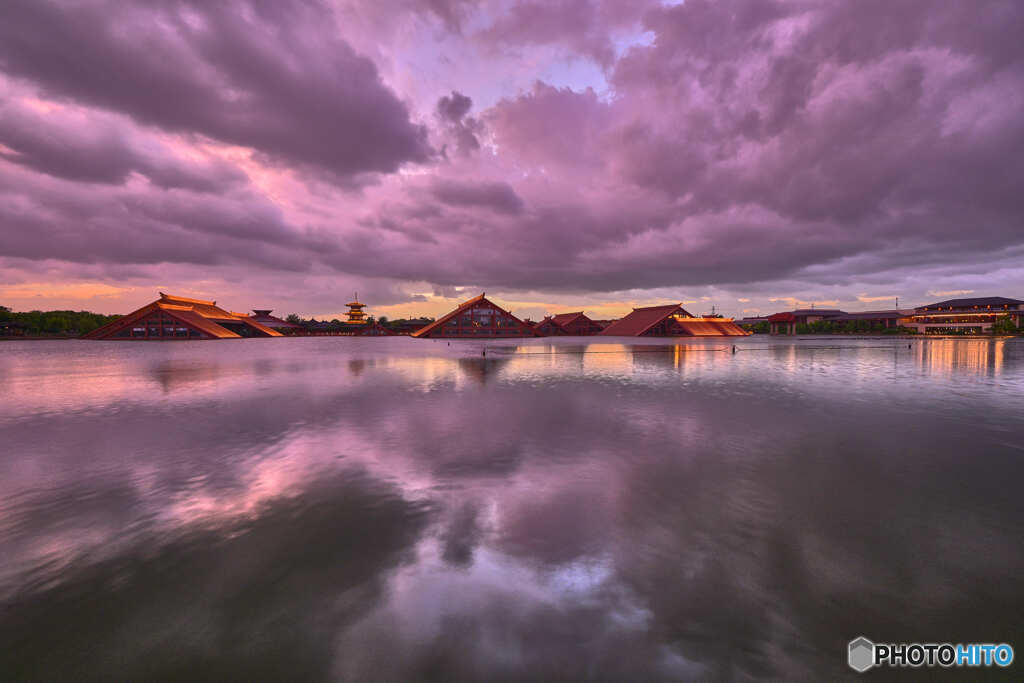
(177, 318)
(965, 316)
(477, 318)
(671, 320)
(356, 316)
(263, 317)
(567, 324)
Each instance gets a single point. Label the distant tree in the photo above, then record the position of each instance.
(1004, 325)
(383, 320)
(294, 318)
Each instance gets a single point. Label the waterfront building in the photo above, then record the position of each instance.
(671, 320)
(548, 327)
(178, 318)
(786, 321)
(965, 316)
(263, 317)
(477, 318)
(751, 322)
(356, 316)
(573, 324)
(891, 319)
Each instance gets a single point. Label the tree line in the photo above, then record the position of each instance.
(69, 323)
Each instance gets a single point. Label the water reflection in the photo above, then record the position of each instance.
(398, 510)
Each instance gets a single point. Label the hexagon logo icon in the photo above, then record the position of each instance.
(861, 654)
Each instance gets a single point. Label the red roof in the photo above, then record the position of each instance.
(424, 331)
(564, 319)
(641, 320)
(200, 314)
(786, 317)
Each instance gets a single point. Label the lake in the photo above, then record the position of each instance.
(401, 510)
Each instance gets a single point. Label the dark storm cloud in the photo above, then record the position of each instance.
(43, 218)
(453, 107)
(463, 130)
(759, 141)
(499, 197)
(265, 75)
(98, 149)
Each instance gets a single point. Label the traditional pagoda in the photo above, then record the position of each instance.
(356, 316)
(477, 318)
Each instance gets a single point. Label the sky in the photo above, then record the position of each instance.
(558, 155)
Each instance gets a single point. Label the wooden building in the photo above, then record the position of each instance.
(567, 324)
(263, 317)
(171, 318)
(477, 318)
(671, 320)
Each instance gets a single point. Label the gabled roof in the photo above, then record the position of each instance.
(263, 316)
(200, 314)
(564, 319)
(546, 323)
(199, 322)
(641, 320)
(423, 331)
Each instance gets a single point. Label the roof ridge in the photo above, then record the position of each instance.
(184, 298)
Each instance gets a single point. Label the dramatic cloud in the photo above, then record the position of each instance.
(265, 75)
(499, 197)
(96, 148)
(611, 151)
(452, 110)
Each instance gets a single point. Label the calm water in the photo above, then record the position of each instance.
(404, 510)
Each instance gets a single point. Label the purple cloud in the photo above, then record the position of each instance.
(265, 75)
(499, 197)
(743, 145)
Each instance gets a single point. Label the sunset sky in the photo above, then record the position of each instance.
(558, 154)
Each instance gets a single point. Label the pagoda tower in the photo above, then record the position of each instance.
(355, 311)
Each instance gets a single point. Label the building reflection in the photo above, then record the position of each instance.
(962, 356)
(481, 370)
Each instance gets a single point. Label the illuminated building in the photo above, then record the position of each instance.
(172, 318)
(477, 318)
(965, 316)
(671, 321)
